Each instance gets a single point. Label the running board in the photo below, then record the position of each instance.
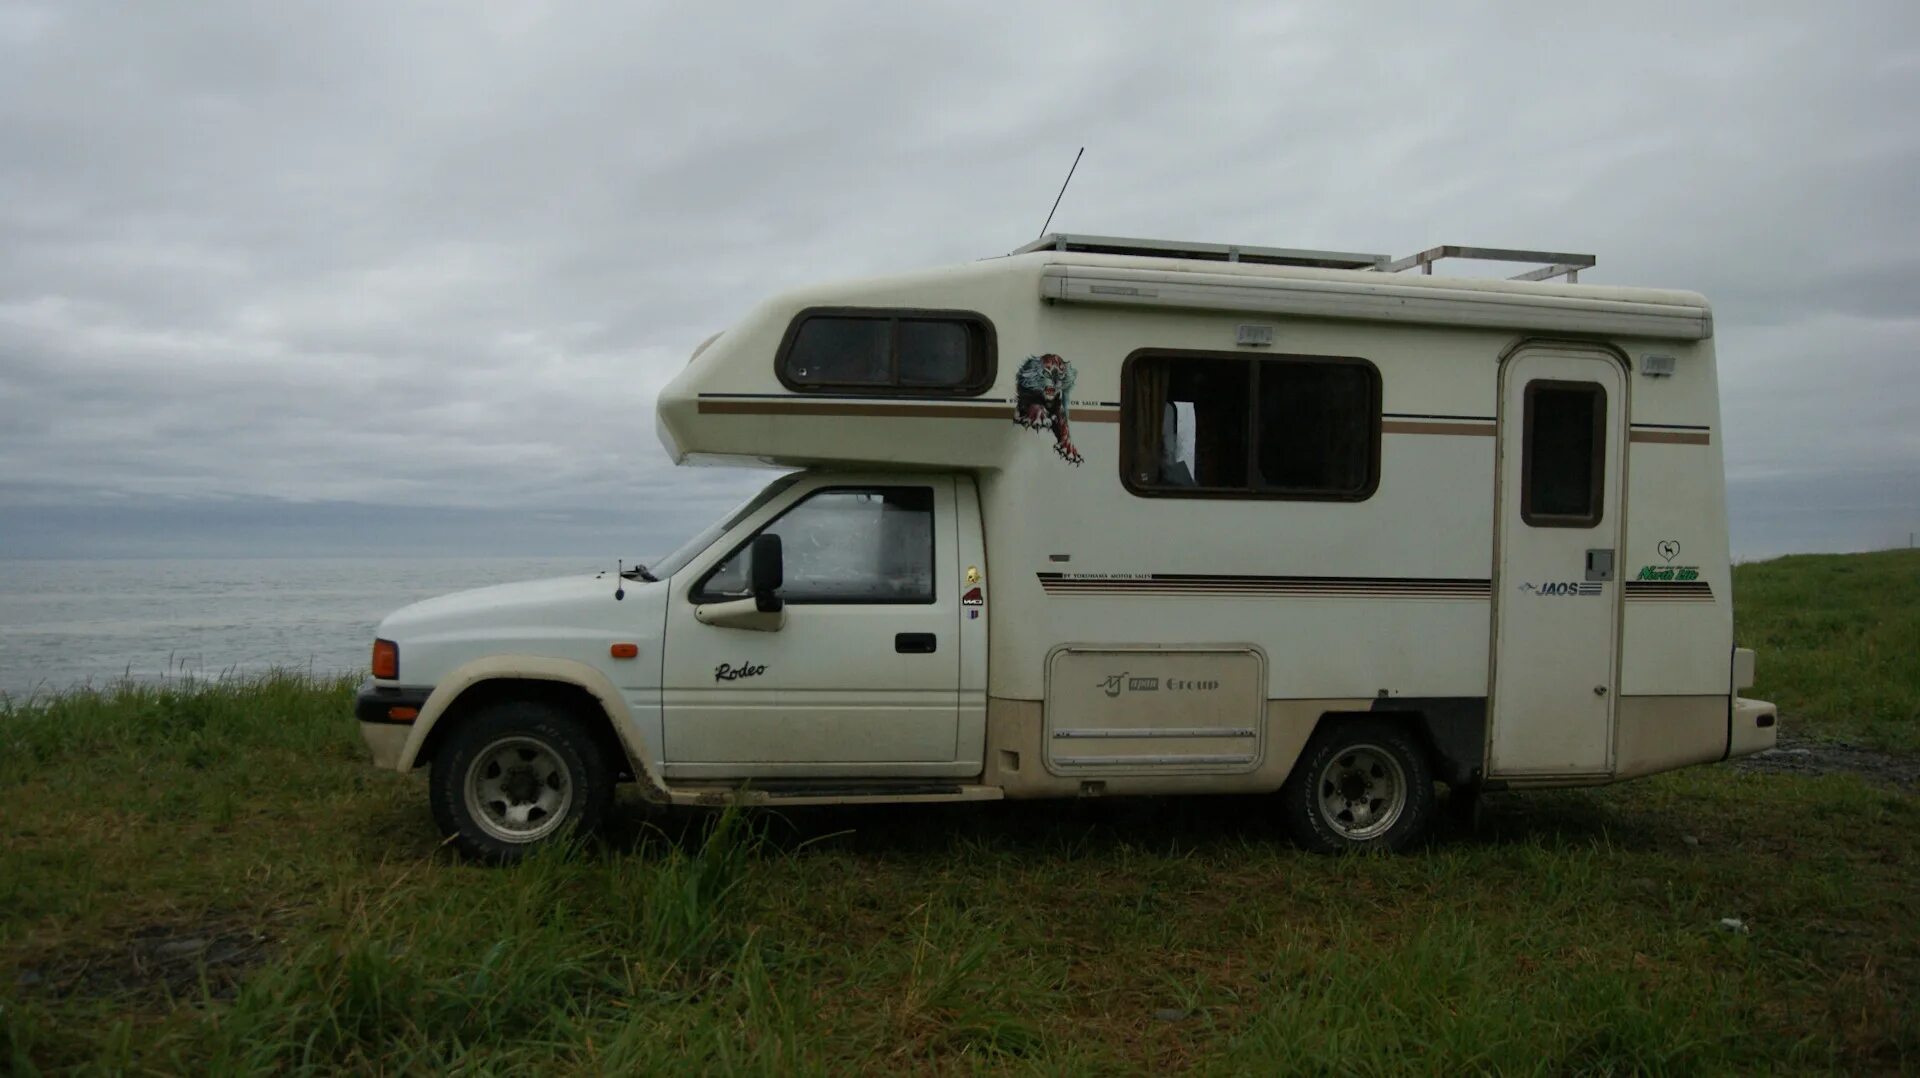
(831, 792)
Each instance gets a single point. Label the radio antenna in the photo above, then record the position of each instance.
(1063, 190)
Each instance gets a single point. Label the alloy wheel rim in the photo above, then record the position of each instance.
(518, 789)
(1362, 791)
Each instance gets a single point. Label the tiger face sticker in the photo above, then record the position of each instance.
(1043, 385)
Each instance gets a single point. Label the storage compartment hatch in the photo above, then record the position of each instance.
(1122, 709)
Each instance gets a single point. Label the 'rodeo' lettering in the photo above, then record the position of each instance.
(725, 672)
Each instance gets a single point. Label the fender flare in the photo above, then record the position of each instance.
(534, 668)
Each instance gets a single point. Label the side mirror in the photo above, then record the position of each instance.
(766, 571)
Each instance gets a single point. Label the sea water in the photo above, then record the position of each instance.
(73, 623)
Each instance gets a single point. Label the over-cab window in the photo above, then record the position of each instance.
(866, 350)
(1563, 463)
(843, 545)
(1202, 424)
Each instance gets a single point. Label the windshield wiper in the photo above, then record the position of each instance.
(639, 572)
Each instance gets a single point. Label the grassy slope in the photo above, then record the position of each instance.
(1838, 637)
(1578, 930)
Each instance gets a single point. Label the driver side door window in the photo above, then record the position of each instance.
(866, 545)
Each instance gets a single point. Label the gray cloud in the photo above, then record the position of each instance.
(443, 256)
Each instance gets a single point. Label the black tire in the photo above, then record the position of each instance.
(1339, 797)
(536, 773)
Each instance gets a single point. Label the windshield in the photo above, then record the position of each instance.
(690, 549)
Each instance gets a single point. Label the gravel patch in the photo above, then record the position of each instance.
(1808, 756)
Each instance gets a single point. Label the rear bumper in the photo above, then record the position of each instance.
(382, 727)
(1754, 727)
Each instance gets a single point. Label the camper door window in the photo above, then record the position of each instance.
(885, 351)
(842, 545)
(1563, 469)
(1209, 424)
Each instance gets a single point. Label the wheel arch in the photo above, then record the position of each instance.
(1307, 801)
(1452, 730)
(570, 684)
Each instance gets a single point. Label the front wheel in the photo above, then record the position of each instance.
(1361, 784)
(516, 775)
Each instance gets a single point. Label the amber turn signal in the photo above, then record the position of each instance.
(624, 651)
(386, 660)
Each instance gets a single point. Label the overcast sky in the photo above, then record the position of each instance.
(267, 268)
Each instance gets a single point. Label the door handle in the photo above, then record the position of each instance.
(915, 643)
(1600, 564)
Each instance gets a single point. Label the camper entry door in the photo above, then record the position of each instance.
(1563, 417)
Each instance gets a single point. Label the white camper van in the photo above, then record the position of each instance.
(1113, 516)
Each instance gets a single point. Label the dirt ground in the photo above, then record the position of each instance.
(1811, 756)
(173, 960)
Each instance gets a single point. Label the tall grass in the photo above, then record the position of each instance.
(1837, 637)
(278, 710)
(502, 967)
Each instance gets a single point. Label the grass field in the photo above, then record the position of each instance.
(194, 880)
(1839, 642)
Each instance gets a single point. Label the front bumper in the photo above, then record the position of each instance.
(386, 714)
(385, 740)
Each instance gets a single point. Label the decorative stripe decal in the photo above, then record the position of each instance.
(1331, 587)
(863, 397)
(1670, 437)
(1436, 415)
(777, 404)
(1669, 591)
(1401, 426)
(886, 410)
(838, 408)
(1265, 587)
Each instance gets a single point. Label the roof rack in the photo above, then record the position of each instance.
(1551, 263)
(1206, 252)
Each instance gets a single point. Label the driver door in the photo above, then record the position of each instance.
(863, 676)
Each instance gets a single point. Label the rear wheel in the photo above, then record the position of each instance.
(516, 775)
(1361, 784)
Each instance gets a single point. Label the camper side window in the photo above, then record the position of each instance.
(1228, 426)
(843, 545)
(1563, 467)
(896, 352)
